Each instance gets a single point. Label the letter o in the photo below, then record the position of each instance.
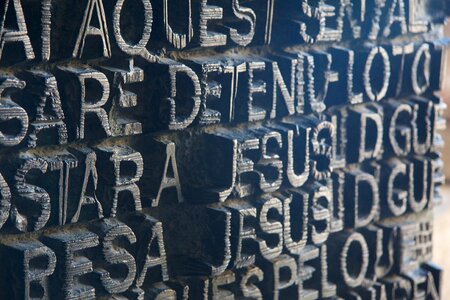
(354, 260)
(373, 95)
(424, 51)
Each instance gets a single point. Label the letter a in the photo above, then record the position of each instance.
(88, 29)
(170, 177)
(17, 34)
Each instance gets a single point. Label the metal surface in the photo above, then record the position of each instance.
(212, 149)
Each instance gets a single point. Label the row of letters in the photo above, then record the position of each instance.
(98, 29)
(81, 263)
(234, 163)
(41, 108)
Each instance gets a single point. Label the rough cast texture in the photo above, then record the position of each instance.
(219, 149)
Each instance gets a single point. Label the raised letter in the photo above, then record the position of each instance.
(368, 81)
(207, 13)
(72, 266)
(138, 49)
(87, 29)
(114, 257)
(123, 169)
(12, 35)
(24, 193)
(247, 14)
(29, 264)
(9, 110)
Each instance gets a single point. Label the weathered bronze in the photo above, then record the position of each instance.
(212, 149)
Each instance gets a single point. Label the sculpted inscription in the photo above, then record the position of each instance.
(212, 149)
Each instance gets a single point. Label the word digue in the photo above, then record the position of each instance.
(58, 106)
(147, 28)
